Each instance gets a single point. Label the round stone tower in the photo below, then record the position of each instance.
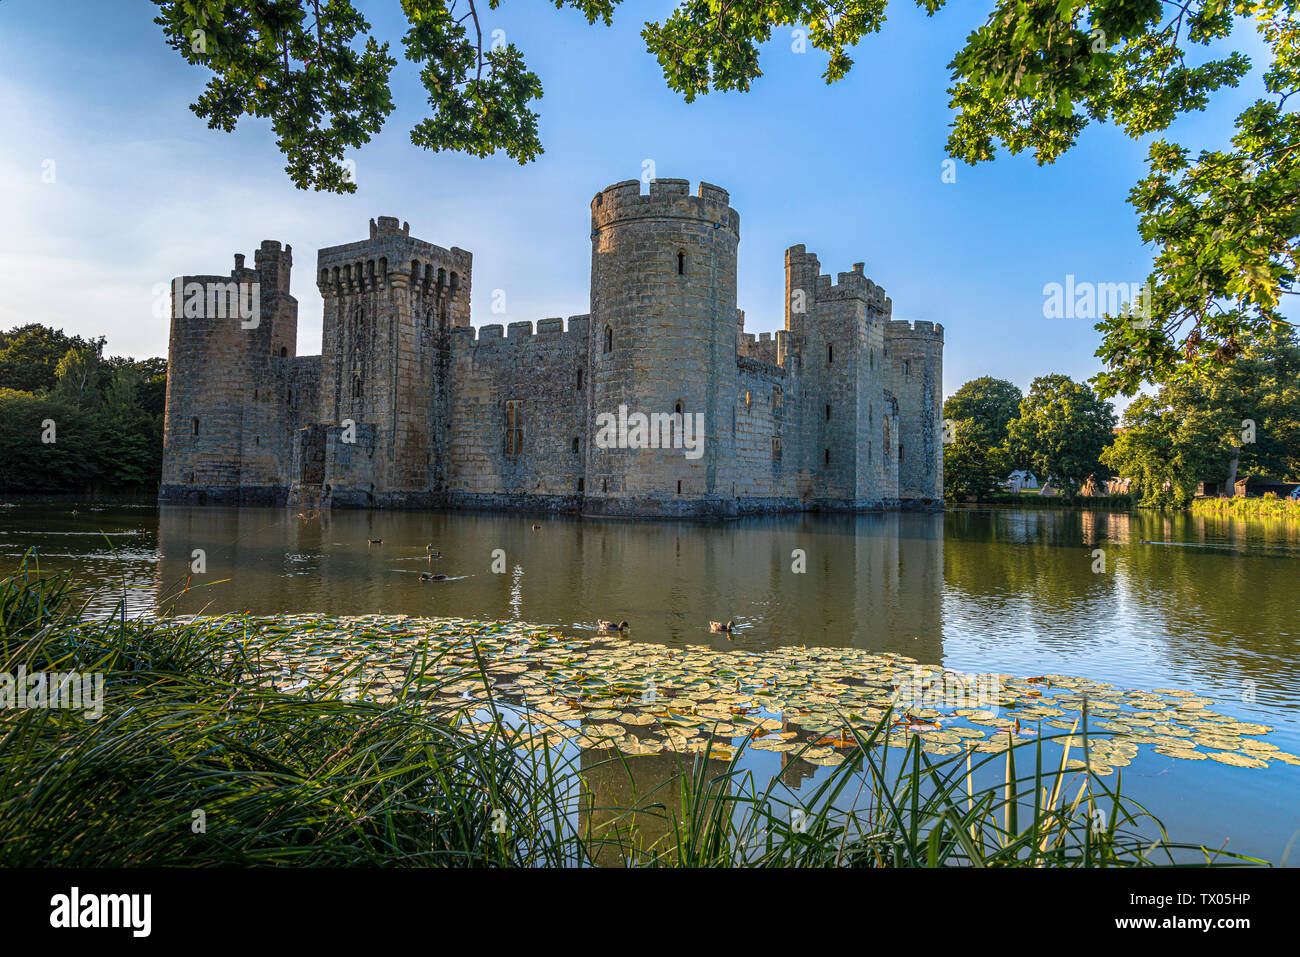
(663, 346)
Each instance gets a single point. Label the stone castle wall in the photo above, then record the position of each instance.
(531, 383)
(409, 406)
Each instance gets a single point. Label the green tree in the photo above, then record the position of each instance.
(1061, 431)
(982, 409)
(30, 354)
(107, 415)
(77, 377)
(1032, 76)
(29, 462)
(971, 469)
(1239, 418)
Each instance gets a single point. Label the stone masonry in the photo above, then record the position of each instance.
(408, 406)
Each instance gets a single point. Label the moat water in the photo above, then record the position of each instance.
(1185, 601)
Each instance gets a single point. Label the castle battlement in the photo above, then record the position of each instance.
(666, 198)
(837, 411)
(391, 257)
(523, 331)
(919, 329)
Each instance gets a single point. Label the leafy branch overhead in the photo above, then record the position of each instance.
(1031, 77)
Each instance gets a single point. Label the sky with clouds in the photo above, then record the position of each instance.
(142, 191)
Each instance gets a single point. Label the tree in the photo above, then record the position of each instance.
(46, 444)
(1240, 418)
(1032, 76)
(30, 354)
(77, 377)
(982, 409)
(972, 470)
(1148, 453)
(106, 415)
(1061, 431)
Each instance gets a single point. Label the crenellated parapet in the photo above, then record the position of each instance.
(918, 331)
(666, 199)
(523, 333)
(393, 259)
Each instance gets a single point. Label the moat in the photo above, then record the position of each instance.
(1193, 602)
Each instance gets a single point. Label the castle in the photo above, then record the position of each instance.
(409, 407)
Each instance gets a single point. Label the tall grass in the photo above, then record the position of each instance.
(197, 762)
(1267, 504)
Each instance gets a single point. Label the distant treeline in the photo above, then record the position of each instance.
(75, 421)
(1239, 418)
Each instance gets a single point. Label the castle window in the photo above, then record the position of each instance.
(254, 395)
(830, 353)
(776, 449)
(873, 358)
(284, 352)
(196, 426)
(748, 400)
(907, 367)
(777, 395)
(609, 340)
(356, 387)
(679, 486)
(577, 445)
(579, 380)
(828, 412)
(580, 484)
(681, 262)
(828, 456)
(900, 451)
(514, 427)
(677, 407)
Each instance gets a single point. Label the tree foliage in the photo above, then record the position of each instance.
(971, 469)
(79, 422)
(1240, 419)
(1061, 431)
(983, 408)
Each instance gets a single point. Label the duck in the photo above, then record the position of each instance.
(536, 527)
(374, 541)
(433, 552)
(611, 626)
(719, 627)
(427, 577)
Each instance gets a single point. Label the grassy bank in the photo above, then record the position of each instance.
(1265, 505)
(197, 761)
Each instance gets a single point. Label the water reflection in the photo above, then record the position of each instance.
(874, 581)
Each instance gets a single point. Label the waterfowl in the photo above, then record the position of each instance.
(611, 626)
(718, 626)
(374, 541)
(433, 553)
(426, 577)
(536, 527)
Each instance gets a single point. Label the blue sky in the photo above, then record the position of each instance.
(143, 191)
